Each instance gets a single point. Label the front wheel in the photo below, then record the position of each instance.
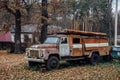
(52, 63)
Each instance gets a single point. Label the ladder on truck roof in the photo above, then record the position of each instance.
(83, 33)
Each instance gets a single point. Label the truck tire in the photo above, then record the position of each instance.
(52, 63)
(95, 58)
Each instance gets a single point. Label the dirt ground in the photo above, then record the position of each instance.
(8, 59)
(15, 67)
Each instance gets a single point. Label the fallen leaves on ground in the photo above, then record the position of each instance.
(15, 67)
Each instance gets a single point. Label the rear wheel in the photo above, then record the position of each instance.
(52, 63)
(95, 58)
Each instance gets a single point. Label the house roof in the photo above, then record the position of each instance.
(26, 28)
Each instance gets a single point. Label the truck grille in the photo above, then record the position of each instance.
(34, 54)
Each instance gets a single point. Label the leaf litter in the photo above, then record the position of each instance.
(15, 67)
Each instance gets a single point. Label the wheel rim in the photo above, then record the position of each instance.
(53, 64)
(95, 59)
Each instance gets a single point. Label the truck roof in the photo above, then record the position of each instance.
(83, 33)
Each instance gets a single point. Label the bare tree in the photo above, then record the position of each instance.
(15, 7)
(44, 21)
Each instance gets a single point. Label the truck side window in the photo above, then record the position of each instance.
(64, 41)
(76, 40)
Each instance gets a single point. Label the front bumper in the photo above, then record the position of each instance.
(35, 60)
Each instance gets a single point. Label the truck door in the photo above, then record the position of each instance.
(64, 49)
(76, 46)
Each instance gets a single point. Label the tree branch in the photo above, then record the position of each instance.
(9, 10)
(5, 6)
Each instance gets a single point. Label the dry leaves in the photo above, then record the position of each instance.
(15, 67)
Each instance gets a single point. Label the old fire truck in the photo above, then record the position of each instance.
(69, 45)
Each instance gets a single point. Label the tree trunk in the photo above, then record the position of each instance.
(110, 21)
(17, 32)
(44, 21)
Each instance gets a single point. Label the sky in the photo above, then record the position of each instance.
(114, 5)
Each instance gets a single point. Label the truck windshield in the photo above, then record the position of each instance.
(51, 40)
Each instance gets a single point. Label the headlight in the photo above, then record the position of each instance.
(41, 53)
(27, 52)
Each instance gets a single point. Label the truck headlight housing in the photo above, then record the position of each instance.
(27, 52)
(41, 53)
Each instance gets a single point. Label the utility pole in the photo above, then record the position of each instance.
(116, 22)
